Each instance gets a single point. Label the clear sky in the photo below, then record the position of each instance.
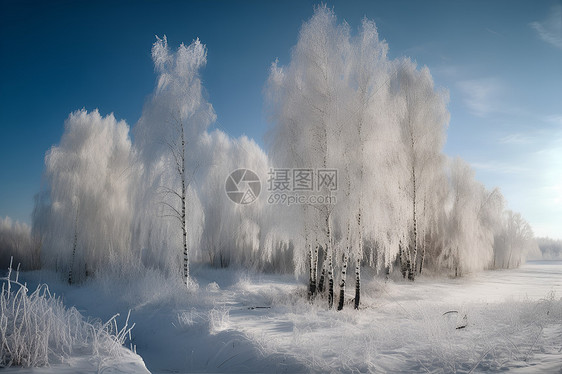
(500, 60)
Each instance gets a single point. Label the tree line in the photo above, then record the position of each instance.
(403, 207)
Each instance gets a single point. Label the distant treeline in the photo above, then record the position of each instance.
(551, 249)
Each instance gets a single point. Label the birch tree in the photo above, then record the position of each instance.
(368, 138)
(423, 134)
(474, 218)
(463, 223)
(305, 100)
(332, 106)
(172, 122)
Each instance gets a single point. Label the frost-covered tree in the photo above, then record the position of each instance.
(86, 207)
(166, 134)
(513, 242)
(462, 222)
(550, 248)
(305, 101)
(423, 126)
(370, 151)
(333, 106)
(473, 216)
(341, 102)
(433, 219)
(17, 242)
(231, 232)
(489, 216)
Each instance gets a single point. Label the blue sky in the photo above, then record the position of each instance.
(500, 60)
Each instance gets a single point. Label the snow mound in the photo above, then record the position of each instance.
(213, 286)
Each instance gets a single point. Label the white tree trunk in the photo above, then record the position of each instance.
(74, 245)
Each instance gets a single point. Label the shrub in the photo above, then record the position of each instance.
(36, 329)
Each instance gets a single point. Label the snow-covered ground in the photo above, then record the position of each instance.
(238, 321)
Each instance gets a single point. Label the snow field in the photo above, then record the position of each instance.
(388, 335)
(237, 321)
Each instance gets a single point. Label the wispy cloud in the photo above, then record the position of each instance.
(540, 132)
(550, 30)
(428, 48)
(555, 119)
(494, 32)
(448, 70)
(517, 138)
(481, 95)
(499, 167)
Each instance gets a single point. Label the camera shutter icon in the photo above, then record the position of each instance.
(243, 186)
